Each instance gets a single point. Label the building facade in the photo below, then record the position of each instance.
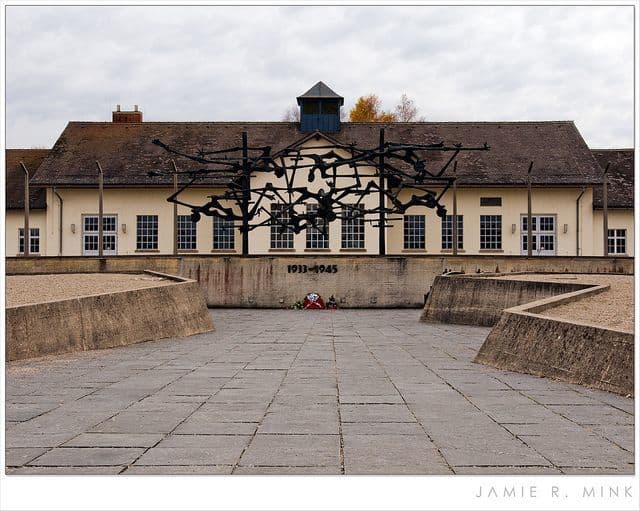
(491, 196)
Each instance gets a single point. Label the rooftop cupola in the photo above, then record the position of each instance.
(320, 109)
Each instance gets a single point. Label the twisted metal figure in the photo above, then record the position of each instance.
(402, 166)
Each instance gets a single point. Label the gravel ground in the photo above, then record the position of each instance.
(26, 289)
(612, 308)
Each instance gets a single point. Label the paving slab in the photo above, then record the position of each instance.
(18, 456)
(289, 392)
(196, 450)
(92, 456)
(293, 450)
(114, 440)
(164, 470)
(392, 454)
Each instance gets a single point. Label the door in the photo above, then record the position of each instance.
(543, 235)
(90, 235)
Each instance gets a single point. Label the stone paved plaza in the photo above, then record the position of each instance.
(307, 392)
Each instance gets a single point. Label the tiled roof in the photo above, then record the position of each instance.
(32, 158)
(620, 178)
(126, 152)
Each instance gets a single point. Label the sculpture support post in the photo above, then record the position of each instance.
(605, 214)
(454, 217)
(100, 212)
(245, 195)
(529, 226)
(27, 232)
(175, 209)
(382, 249)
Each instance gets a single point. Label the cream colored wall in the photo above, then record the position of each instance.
(126, 204)
(260, 239)
(559, 201)
(14, 221)
(616, 219)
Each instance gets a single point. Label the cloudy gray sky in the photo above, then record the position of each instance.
(249, 63)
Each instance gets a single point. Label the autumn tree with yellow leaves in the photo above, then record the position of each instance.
(369, 109)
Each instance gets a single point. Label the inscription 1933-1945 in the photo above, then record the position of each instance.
(316, 268)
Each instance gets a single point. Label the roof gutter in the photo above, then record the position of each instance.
(578, 221)
(59, 221)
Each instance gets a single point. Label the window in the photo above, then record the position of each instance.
(490, 232)
(414, 231)
(223, 234)
(186, 233)
(353, 227)
(90, 235)
(34, 240)
(330, 107)
(491, 201)
(617, 241)
(147, 232)
(543, 235)
(447, 232)
(318, 236)
(281, 233)
(311, 107)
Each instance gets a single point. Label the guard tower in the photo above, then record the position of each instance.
(320, 109)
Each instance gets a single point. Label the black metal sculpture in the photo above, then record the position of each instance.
(398, 167)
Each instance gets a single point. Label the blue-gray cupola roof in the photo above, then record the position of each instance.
(320, 91)
(320, 109)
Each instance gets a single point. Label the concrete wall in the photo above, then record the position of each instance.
(105, 320)
(115, 264)
(360, 281)
(471, 300)
(570, 351)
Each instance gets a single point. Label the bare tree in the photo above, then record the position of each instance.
(291, 114)
(407, 111)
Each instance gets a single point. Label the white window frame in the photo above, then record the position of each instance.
(187, 233)
(614, 238)
(352, 229)
(224, 234)
(447, 232)
(106, 235)
(150, 244)
(34, 236)
(317, 238)
(537, 234)
(280, 237)
(490, 239)
(414, 230)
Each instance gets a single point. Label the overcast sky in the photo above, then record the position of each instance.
(249, 63)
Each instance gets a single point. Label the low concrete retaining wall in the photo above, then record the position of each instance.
(279, 281)
(106, 320)
(480, 300)
(526, 342)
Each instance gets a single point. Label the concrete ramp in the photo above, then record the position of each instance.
(107, 320)
(524, 340)
(480, 299)
(527, 342)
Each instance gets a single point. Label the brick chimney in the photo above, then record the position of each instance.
(127, 116)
